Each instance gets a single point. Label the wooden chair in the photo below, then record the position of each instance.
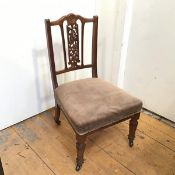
(89, 104)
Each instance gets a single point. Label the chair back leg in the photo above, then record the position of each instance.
(57, 115)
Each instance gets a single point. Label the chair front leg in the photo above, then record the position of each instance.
(57, 114)
(1, 168)
(132, 128)
(80, 145)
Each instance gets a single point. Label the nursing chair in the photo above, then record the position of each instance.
(89, 104)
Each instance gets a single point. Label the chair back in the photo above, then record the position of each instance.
(72, 59)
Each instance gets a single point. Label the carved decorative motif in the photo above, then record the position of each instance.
(73, 45)
(71, 19)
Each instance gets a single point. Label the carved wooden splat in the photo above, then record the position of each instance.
(73, 45)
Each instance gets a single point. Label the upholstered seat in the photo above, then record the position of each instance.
(93, 103)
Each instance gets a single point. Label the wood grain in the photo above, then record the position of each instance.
(55, 146)
(39, 146)
(17, 156)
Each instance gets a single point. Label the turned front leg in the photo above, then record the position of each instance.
(80, 145)
(132, 128)
(1, 168)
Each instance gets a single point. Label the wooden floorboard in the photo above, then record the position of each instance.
(39, 146)
(56, 146)
(146, 157)
(158, 125)
(155, 131)
(17, 156)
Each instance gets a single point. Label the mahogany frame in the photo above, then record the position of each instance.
(71, 20)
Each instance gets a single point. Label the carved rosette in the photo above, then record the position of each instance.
(73, 44)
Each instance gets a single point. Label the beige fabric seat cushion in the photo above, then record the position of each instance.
(92, 103)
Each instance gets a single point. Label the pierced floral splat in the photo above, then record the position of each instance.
(73, 45)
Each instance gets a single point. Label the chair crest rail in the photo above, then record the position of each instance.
(71, 19)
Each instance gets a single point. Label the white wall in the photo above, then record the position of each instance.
(146, 66)
(26, 87)
(25, 84)
(150, 61)
(111, 23)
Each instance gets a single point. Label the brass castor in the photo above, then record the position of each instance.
(57, 121)
(78, 167)
(79, 164)
(131, 143)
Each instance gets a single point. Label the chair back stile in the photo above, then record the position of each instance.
(72, 60)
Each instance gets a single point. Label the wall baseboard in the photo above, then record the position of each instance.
(158, 117)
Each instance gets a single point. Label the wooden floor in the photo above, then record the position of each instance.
(38, 146)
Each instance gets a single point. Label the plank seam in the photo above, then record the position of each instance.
(152, 138)
(112, 156)
(35, 152)
(157, 120)
(156, 140)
